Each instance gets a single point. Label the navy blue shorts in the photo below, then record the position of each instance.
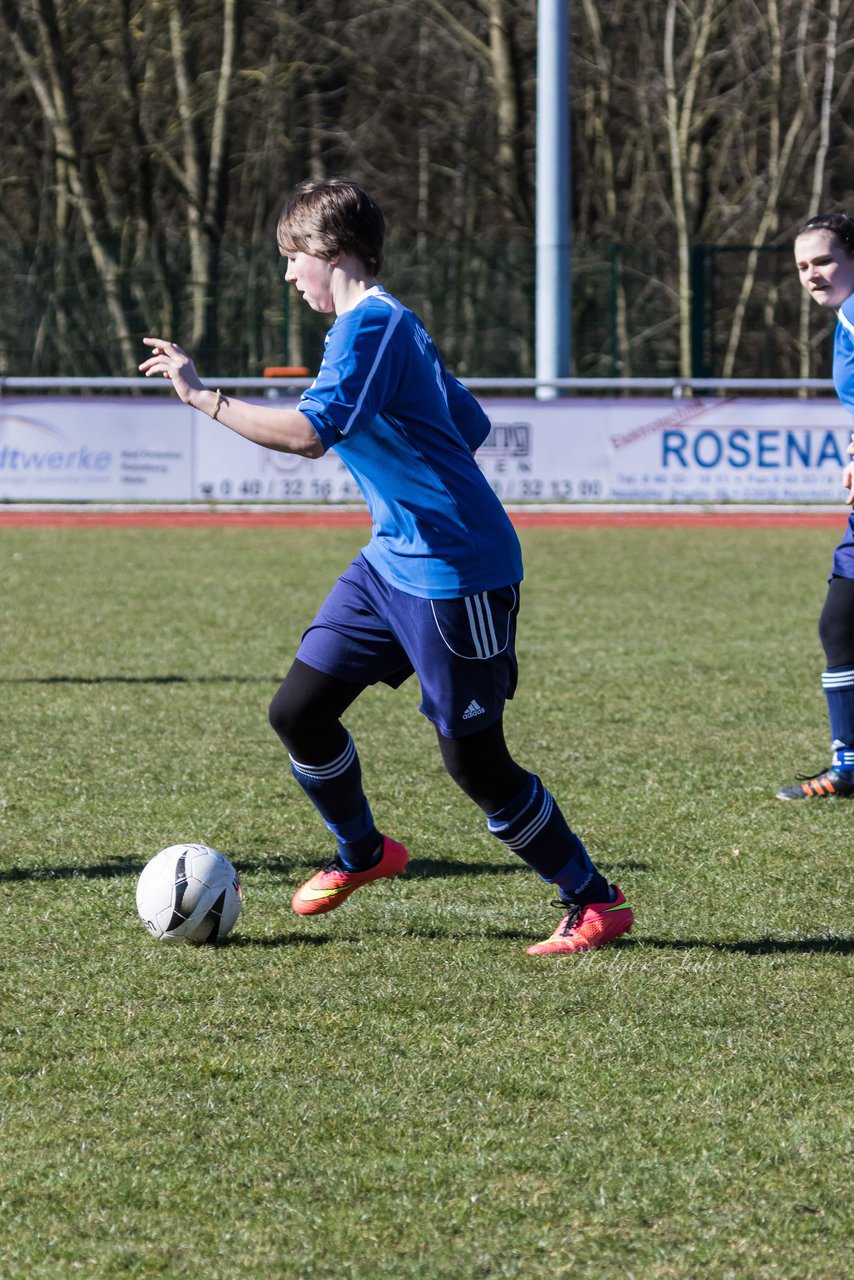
(843, 556)
(463, 650)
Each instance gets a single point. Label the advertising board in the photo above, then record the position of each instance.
(80, 450)
(573, 450)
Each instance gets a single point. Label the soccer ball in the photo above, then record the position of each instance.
(189, 893)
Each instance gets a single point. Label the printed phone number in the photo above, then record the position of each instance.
(530, 489)
(284, 490)
(298, 489)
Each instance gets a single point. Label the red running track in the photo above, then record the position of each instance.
(53, 518)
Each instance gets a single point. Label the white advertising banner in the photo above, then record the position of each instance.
(115, 450)
(231, 469)
(560, 451)
(691, 450)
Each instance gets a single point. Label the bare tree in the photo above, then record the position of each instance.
(203, 158)
(781, 147)
(35, 35)
(700, 127)
(819, 176)
(684, 79)
(489, 39)
(603, 161)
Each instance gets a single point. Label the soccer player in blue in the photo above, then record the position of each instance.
(434, 592)
(824, 255)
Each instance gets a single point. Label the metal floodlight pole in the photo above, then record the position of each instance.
(554, 241)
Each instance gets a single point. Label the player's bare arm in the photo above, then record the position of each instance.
(284, 430)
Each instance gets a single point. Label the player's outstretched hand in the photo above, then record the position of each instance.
(168, 359)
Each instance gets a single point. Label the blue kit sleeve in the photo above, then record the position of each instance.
(352, 385)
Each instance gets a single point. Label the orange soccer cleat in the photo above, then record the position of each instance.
(588, 926)
(332, 884)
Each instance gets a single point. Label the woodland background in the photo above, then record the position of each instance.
(146, 148)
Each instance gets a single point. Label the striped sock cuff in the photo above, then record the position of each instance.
(517, 835)
(843, 757)
(326, 772)
(838, 678)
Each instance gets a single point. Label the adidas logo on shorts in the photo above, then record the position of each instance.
(473, 709)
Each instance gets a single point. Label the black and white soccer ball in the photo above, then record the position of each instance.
(189, 893)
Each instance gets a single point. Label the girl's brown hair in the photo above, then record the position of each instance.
(333, 216)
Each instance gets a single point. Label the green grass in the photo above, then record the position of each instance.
(398, 1091)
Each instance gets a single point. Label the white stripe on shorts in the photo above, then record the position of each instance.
(482, 627)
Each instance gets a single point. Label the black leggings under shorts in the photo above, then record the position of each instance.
(836, 623)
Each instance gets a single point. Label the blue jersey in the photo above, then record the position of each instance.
(843, 381)
(406, 430)
(843, 354)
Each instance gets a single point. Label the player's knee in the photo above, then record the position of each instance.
(482, 768)
(304, 729)
(457, 770)
(286, 719)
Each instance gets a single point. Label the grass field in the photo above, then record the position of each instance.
(398, 1091)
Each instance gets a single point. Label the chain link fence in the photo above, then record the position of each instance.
(476, 299)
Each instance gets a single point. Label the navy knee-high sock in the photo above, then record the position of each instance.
(335, 790)
(533, 827)
(838, 685)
